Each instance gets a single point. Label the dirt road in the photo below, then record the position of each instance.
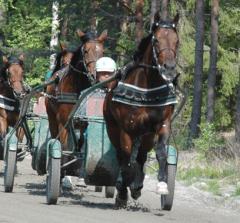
(27, 204)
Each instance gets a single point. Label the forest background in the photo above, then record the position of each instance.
(208, 57)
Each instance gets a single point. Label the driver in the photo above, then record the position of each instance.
(105, 68)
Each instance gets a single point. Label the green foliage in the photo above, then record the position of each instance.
(237, 191)
(213, 187)
(25, 26)
(39, 68)
(208, 139)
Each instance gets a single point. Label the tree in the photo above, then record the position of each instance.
(2, 22)
(237, 121)
(155, 6)
(139, 20)
(94, 21)
(198, 70)
(213, 61)
(164, 9)
(55, 31)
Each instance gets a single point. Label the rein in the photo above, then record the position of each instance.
(90, 77)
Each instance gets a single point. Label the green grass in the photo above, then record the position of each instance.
(213, 187)
(237, 191)
(209, 172)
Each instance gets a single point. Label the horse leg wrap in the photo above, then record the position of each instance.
(1, 147)
(161, 154)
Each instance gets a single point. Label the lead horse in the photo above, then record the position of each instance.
(138, 111)
(12, 90)
(77, 76)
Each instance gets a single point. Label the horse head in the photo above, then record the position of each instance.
(63, 58)
(165, 43)
(92, 49)
(14, 74)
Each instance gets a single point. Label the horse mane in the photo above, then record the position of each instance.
(3, 73)
(58, 60)
(138, 54)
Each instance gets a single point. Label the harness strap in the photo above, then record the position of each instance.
(67, 98)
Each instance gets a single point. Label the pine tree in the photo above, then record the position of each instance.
(213, 61)
(198, 71)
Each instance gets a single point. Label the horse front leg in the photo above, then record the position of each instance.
(138, 158)
(161, 154)
(125, 176)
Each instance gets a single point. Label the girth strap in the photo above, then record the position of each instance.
(67, 98)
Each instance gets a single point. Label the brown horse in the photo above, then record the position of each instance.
(12, 90)
(74, 78)
(138, 111)
(63, 58)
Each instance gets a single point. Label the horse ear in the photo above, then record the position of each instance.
(5, 59)
(176, 19)
(157, 17)
(103, 36)
(21, 57)
(80, 33)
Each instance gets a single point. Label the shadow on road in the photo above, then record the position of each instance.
(36, 189)
(74, 198)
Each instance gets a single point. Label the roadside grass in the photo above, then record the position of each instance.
(213, 187)
(215, 176)
(237, 191)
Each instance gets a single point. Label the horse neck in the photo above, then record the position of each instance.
(5, 89)
(148, 77)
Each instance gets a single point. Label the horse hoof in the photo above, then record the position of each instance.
(135, 194)
(120, 203)
(67, 183)
(162, 188)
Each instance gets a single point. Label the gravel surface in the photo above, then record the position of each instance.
(27, 204)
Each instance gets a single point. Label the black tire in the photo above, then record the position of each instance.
(167, 200)
(98, 188)
(9, 170)
(109, 192)
(53, 180)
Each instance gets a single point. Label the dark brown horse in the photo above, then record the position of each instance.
(138, 111)
(63, 58)
(11, 91)
(74, 78)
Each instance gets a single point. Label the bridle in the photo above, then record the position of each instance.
(162, 71)
(17, 95)
(85, 63)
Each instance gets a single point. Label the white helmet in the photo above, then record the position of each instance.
(105, 64)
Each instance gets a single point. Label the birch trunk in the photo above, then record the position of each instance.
(55, 32)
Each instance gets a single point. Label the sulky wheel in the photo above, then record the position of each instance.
(53, 180)
(98, 188)
(109, 192)
(9, 170)
(167, 200)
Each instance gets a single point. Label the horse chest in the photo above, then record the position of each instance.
(144, 120)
